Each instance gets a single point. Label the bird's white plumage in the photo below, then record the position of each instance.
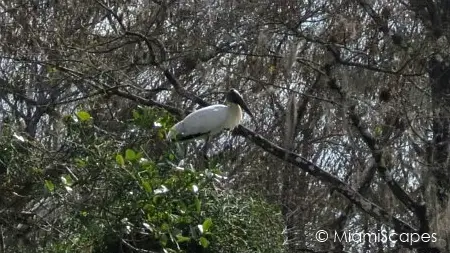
(209, 120)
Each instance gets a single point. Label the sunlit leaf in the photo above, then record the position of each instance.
(136, 114)
(68, 189)
(120, 160)
(181, 238)
(83, 115)
(147, 226)
(130, 155)
(161, 190)
(204, 242)
(146, 186)
(207, 224)
(66, 180)
(80, 163)
(49, 185)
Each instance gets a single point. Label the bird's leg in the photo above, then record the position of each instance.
(185, 149)
(206, 146)
(232, 134)
(205, 150)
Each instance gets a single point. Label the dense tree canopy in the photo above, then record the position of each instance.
(351, 131)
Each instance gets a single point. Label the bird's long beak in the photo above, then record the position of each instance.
(244, 106)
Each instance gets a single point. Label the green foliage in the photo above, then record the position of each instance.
(130, 155)
(115, 194)
(49, 185)
(244, 224)
(120, 160)
(153, 118)
(206, 225)
(83, 115)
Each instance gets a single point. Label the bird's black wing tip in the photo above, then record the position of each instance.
(180, 137)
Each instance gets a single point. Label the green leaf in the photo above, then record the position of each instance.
(165, 227)
(204, 242)
(198, 205)
(130, 155)
(207, 224)
(136, 114)
(181, 238)
(120, 160)
(378, 130)
(66, 180)
(83, 115)
(160, 135)
(146, 186)
(49, 185)
(80, 163)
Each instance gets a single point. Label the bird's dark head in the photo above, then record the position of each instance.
(234, 97)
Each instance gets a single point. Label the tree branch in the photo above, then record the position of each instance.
(319, 173)
(377, 154)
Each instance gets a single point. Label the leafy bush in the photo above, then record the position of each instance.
(112, 198)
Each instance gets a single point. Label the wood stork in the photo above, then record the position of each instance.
(211, 120)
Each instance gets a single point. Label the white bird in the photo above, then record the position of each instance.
(211, 120)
